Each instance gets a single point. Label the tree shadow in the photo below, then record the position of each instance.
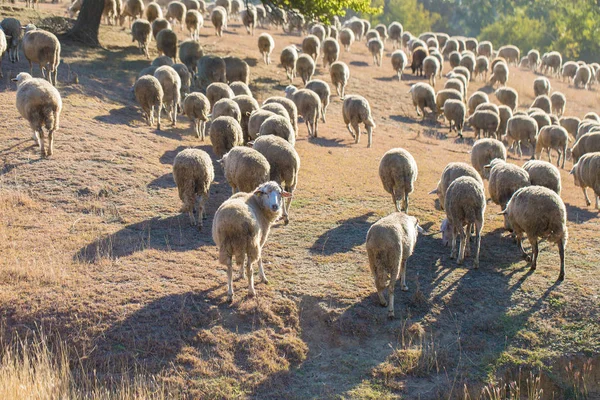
(343, 237)
(580, 215)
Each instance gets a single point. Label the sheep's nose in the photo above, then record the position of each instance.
(274, 207)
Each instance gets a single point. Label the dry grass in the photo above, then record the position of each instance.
(93, 247)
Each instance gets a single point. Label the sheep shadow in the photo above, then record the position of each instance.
(487, 89)
(252, 62)
(324, 142)
(266, 80)
(580, 215)
(359, 63)
(404, 119)
(165, 181)
(342, 238)
(387, 78)
(121, 116)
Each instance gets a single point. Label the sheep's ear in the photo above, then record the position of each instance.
(220, 161)
(250, 144)
(285, 194)
(434, 191)
(572, 172)
(8, 36)
(503, 212)
(14, 80)
(489, 166)
(258, 192)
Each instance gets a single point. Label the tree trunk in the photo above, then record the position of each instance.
(86, 27)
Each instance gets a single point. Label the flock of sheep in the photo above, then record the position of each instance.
(255, 143)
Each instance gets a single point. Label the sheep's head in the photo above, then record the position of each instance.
(446, 230)
(270, 196)
(29, 28)
(290, 90)
(21, 77)
(575, 175)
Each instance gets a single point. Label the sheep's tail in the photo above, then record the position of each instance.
(49, 118)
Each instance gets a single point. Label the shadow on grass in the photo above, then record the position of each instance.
(344, 236)
(580, 215)
(359, 64)
(323, 142)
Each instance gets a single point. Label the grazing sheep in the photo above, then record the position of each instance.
(552, 61)
(456, 84)
(586, 126)
(583, 76)
(534, 61)
(431, 67)
(14, 35)
(505, 180)
(340, 74)
(499, 74)
(451, 172)
(357, 28)
(395, 34)
(455, 112)
(245, 169)
(43, 48)
(280, 126)
(133, 9)
(383, 33)
(488, 107)
(542, 102)
(3, 47)
(559, 102)
(508, 97)
(406, 37)
(592, 115)
(423, 96)
(153, 11)
(483, 152)
(460, 70)
(40, 104)
(346, 38)
(451, 46)
(539, 213)
(569, 69)
(418, 56)
(476, 99)
(454, 59)
(541, 86)
(147, 71)
(570, 124)
(308, 104)
(190, 52)
(471, 44)
(142, 32)
(236, 7)
(227, 107)
(266, 44)
(510, 53)
(588, 143)
(236, 69)
(482, 66)
(247, 105)
(331, 52)
(372, 34)
(486, 121)
(225, 133)
(288, 58)
(284, 164)
(166, 43)
(452, 76)
(305, 66)
(217, 91)
(521, 129)
(171, 84)
(193, 173)
(552, 137)
(465, 206)
(468, 61)
(176, 13)
(399, 62)
(194, 22)
(241, 227)
(398, 172)
(276, 109)
(390, 242)
(540, 117)
(356, 110)
(158, 25)
(311, 45)
(218, 17)
(542, 173)
(197, 108)
(505, 113)
(586, 173)
(162, 60)
(321, 88)
(255, 121)
(226, 5)
(447, 94)
(289, 106)
(249, 18)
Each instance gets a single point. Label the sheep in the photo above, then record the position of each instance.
(217, 91)
(226, 107)
(249, 19)
(446, 94)
(133, 9)
(482, 66)
(240, 88)
(533, 58)
(166, 43)
(452, 76)
(305, 66)
(399, 62)
(289, 106)
(245, 169)
(570, 124)
(586, 173)
(110, 11)
(383, 33)
(276, 109)
(311, 46)
(398, 172)
(431, 67)
(541, 86)
(471, 44)
(162, 60)
(142, 32)
(488, 107)
(340, 74)
(197, 108)
(558, 101)
(582, 76)
(456, 84)
(476, 99)
(390, 242)
(406, 37)
(468, 61)
(395, 34)
(333, 32)
(432, 43)
(241, 227)
(542, 173)
(588, 143)
(357, 28)
(284, 163)
(14, 36)
(539, 213)
(308, 104)
(153, 11)
(331, 52)
(225, 133)
(454, 59)
(586, 126)
(185, 77)
(499, 74)
(355, 111)
(552, 61)
(552, 137)
(236, 7)
(40, 104)
(418, 56)
(541, 118)
(521, 129)
(508, 97)
(451, 45)
(423, 96)
(321, 88)
(376, 49)
(247, 105)
(440, 59)
(193, 173)
(3, 47)
(255, 121)
(193, 23)
(218, 17)
(451, 172)
(505, 113)
(455, 111)
(176, 12)
(592, 115)
(278, 125)
(485, 120)
(569, 69)
(288, 59)
(158, 25)
(465, 205)
(266, 44)
(510, 53)
(483, 152)
(147, 71)
(346, 38)
(43, 48)
(318, 30)
(372, 34)
(505, 179)
(171, 85)
(226, 5)
(542, 102)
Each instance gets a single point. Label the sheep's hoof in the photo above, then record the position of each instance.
(476, 265)
(404, 288)
(588, 203)
(561, 278)
(383, 303)
(251, 293)
(240, 277)
(460, 261)
(533, 267)
(391, 314)
(286, 220)
(230, 298)
(527, 258)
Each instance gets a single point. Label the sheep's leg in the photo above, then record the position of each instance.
(370, 136)
(418, 111)
(463, 245)
(200, 208)
(315, 127)
(159, 115)
(587, 200)
(549, 155)
(343, 91)
(261, 271)
(250, 272)
(35, 136)
(405, 202)
(468, 240)
(357, 130)
(391, 289)
(520, 243)
(561, 252)
(478, 227)
(323, 111)
(50, 142)
(229, 280)
(534, 251)
(396, 202)
(350, 130)
(42, 144)
(454, 235)
(308, 127)
(403, 285)
(519, 152)
(564, 156)
(597, 201)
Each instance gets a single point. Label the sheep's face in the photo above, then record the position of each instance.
(271, 196)
(21, 77)
(446, 230)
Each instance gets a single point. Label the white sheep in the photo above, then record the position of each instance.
(43, 48)
(176, 13)
(542, 173)
(559, 102)
(308, 105)
(149, 93)
(346, 38)
(142, 32)
(505, 180)
(280, 126)
(423, 96)
(288, 59)
(153, 11)
(40, 104)
(583, 76)
(476, 99)
(521, 129)
(331, 51)
(552, 137)
(483, 152)
(398, 172)
(356, 110)
(194, 22)
(166, 42)
(193, 173)
(375, 47)
(311, 46)
(158, 25)
(218, 18)
(451, 172)
(197, 108)
(586, 173)
(340, 74)
(455, 112)
(266, 44)
(241, 227)
(171, 84)
(321, 88)
(305, 66)
(225, 134)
